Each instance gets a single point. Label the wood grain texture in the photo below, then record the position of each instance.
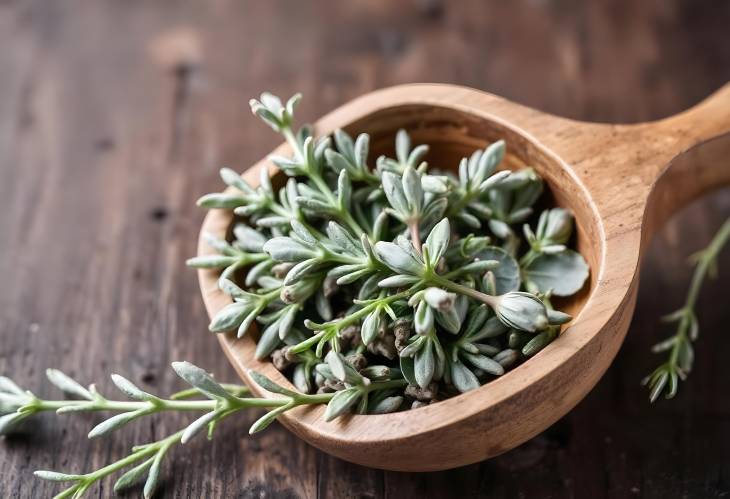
(114, 117)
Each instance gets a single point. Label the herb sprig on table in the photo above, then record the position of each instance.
(665, 378)
(375, 290)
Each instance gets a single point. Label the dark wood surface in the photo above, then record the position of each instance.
(116, 115)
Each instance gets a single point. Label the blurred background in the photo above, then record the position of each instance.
(115, 117)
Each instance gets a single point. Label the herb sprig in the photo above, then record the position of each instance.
(665, 378)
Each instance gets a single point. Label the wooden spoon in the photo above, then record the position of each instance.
(620, 181)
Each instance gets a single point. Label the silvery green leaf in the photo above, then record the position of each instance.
(9, 422)
(352, 277)
(395, 257)
(131, 390)
(344, 144)
(223, 201)
(249, 239)
(423, 318)
(434, 184)
(323, 306)
(439, 299)
(341, 402)
(416, 155)
(287, 320)
(341, 270)
(54, 476)
(499, 179)
(491, 329)
(438, 240)
(665, 345)
(371, 326)
(487, 350)
(493, 155)
(686, 356)
(342, 369)
(434, 212)
(272, 103)
(556, 318)
(265, 183)
(265, 421)
(398, 281)
(258, 271)
(247, 321)
(289, 165)
(520, 215)
(462, 378)
(220, 245)
(269, 385)
(301, 270)
(387, 405)
(556, 225)
(67, 384)
(360, 153)
(500, 229)
(424, 365)
(449, 320)
(231, 289)
(407, 368)
(200, 379)
(268, 341)
(522, 311)
(8, 385)
(133, 476)
(402, 146)
(564, 273)
(316, 206)
(412, 190)
(507, 274)
(292, 104)
(197, 425)
(113, 423)
(233, 179)
(338, 161)
(266, 116)
(539, 342)
(485, 364)
(229, 317)
(469, 219)
(551, 249)
(380, 226)
(305, 236)
(344, 190)
(285, 249)
(153, 476)
(301, 379)
(340, 236)
(479, 266)
(272, 221)
(393, 188)
(476, 320)
(211, 261)
(507, 358)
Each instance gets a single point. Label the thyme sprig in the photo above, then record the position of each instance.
(665, 378)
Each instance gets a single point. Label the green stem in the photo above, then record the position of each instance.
(464, 290)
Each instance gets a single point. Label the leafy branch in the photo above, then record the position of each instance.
(665, 378)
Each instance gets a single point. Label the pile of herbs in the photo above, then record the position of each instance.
(391, 286)
(375, 289)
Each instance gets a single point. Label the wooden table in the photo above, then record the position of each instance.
(115, 116)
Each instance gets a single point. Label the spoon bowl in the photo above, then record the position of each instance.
(620, 181)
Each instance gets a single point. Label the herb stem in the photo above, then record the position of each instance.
(464, 290)
(415, 231)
